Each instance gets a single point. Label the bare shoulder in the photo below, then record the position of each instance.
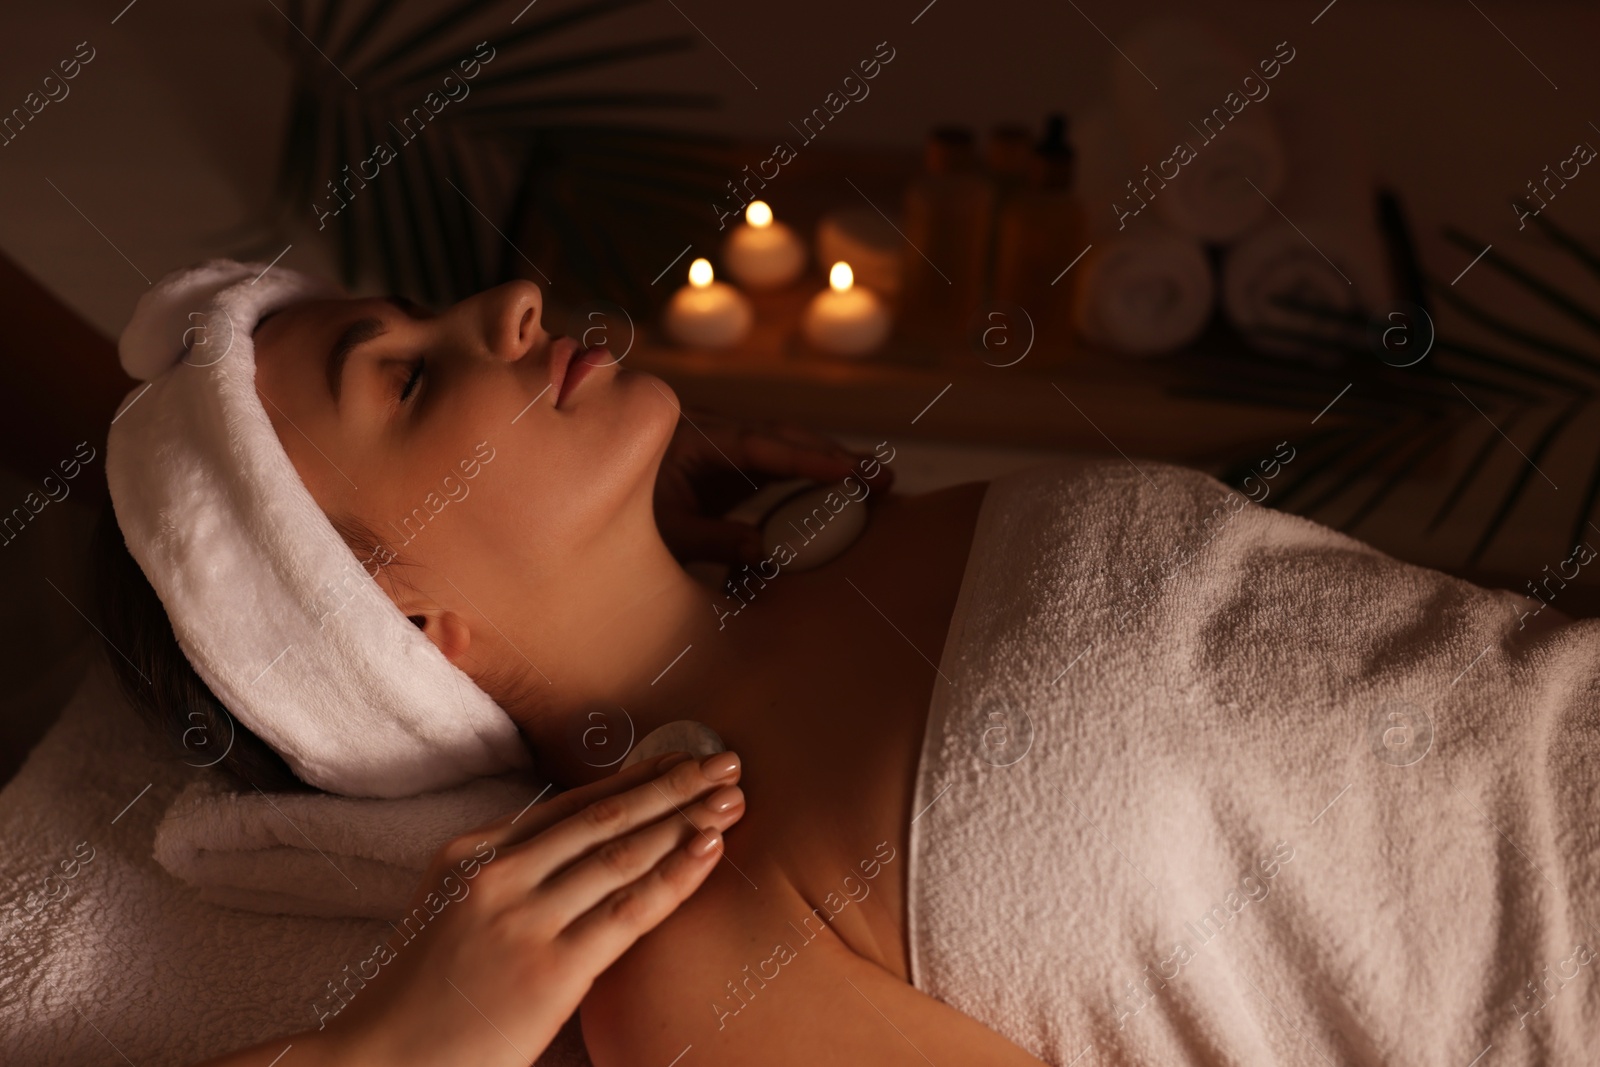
(952, 502)
(730, 979)
(920, 530)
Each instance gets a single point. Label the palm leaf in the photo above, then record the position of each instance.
(456, 19)
(1357, 464)
(1555, 297)
(1569, 244)
(1586, 507)
(1474, 469)
(508, 148)
(1512, 332)
(1394, 420)
(1525, 474)
(1404, 467)
(389, 255)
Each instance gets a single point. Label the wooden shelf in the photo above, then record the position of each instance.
(1052, 398)
(773, 375)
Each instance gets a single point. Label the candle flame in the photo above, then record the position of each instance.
(758, 214)
(841, 277)
(700, 273)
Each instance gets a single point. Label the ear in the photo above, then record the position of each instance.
(445, 629)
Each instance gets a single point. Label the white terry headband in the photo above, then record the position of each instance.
(277, 615)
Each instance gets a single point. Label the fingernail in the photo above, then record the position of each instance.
(705, 844)
(672, 759)
(729, 796)
(721, 765)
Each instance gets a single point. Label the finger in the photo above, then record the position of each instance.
(773, 455)
(803, 436)
(807, 438)
(601, 935)
(794, 450)
(519, 825)
(622, 860)
(579, 797)
(611, 816)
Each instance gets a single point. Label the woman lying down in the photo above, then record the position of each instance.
(1096, 763)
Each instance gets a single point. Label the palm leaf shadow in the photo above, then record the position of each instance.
(439, 189)
(1524, 387)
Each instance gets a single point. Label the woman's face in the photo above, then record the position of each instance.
(513, 487)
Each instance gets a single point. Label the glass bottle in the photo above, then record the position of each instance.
(1042, 229)
(949, 213)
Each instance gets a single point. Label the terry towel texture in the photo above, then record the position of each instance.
(317, 853)
(334, 856)
(119, 959)
(1247, 791)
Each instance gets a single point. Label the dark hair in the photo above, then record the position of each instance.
(158, 680)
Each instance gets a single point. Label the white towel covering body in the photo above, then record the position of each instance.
(1219, 785)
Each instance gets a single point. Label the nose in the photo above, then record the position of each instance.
(511, 316)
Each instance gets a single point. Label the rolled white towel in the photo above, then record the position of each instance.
(1143, 288)
(1205, 102)
(1324, 249)
(1143, 293)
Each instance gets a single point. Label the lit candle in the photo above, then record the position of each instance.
(843, 319)
(707, 313)
(761, 253)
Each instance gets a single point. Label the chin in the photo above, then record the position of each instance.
(650, 410)
(633, 423)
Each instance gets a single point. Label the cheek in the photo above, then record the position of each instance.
(558, 481)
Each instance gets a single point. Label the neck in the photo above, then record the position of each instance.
(669, 660)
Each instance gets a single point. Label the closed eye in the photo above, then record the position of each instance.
(413, 381)
(359, 333)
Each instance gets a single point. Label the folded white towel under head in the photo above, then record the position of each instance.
(319, 853)
(323, 854)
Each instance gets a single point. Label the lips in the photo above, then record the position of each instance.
(570, 364)
(562, 352)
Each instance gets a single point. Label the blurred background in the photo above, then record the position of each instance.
(1369, 291)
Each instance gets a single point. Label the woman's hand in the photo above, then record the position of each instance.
(712, 463)
(535, 907)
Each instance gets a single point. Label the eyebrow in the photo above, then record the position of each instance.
(356, 334)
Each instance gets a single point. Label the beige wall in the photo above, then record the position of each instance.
(172, 130)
